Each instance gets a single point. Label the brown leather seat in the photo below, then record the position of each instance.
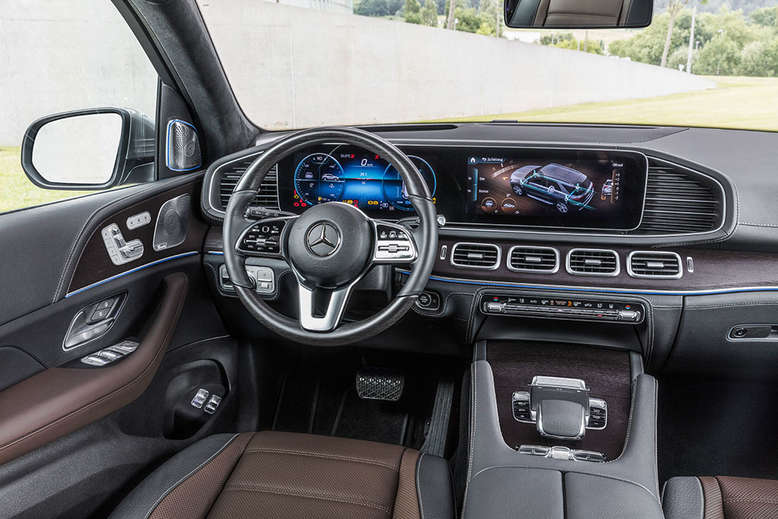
(288, 475)
(720, 497)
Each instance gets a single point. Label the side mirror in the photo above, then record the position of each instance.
(89, 149)
(578, 14)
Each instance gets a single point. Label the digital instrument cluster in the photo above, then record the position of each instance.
(356, 177)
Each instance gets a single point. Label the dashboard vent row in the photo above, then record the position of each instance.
(533, 259)
(476, 255)
(679, 201)
(653, 264)
(593, 262)
(230, 173)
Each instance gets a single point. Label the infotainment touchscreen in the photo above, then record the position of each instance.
(557, 188)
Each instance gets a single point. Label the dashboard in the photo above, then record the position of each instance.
(677, 221)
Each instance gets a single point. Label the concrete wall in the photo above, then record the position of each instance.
(294, 67)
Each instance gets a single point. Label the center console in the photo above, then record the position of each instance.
(560, 431)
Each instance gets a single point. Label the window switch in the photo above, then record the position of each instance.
(105, 305)
(213, 404)
(99, 315)
(199, 399)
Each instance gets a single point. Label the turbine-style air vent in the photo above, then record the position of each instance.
(476, 255)
(533, 259)
(593, 262)
(654, 264)
(230, 173)
(680, 201)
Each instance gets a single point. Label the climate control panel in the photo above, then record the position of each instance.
(563, 308)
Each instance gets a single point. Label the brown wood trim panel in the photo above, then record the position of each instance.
(713, 269)
(94, 264)
(57, 401)
(606, 373)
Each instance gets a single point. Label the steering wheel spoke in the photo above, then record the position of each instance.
(392, 244)
(322, 309)
(263, 238)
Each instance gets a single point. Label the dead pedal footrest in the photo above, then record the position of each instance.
(379, 385)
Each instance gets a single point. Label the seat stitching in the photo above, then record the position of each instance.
(764, 501)
(337, 457)
(190, 474)
(338, 498)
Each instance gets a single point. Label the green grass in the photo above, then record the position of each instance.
(736, 102)
(16, 190)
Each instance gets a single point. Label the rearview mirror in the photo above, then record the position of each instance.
(578, 14)
(89, 149)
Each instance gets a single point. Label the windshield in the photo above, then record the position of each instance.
(302, 63)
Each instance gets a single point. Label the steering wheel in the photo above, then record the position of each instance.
(331, 246)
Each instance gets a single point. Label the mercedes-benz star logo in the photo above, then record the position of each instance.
(322, 239)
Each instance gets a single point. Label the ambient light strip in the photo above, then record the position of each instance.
(612, 290)
(131, 271)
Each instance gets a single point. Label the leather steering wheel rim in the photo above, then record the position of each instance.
(425, 237)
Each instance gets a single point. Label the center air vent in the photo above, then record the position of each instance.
(593, 262)
(654, 264)
(476, 255)
(533, 259)
(229, 173)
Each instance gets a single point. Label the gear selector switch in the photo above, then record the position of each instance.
(560, 408)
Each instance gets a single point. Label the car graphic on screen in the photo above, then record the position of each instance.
(607, 188)
(554, 184)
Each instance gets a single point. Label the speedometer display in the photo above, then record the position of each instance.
(355, 177)
(318, 178)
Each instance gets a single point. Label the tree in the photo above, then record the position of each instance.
(450, 21)
(673, 9)
(467, 20)
(372, 8)
(429, 13)
(766, 16)
(720, 57)
(760, 58)
(412, 11)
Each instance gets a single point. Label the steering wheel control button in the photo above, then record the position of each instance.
(262, 238)
(323, 239)
(429, 301)
(198, 401)
(393, 244)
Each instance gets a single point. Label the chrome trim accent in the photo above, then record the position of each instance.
(533, 247)
(335, 308)
(655, 276)
(569, 270)
(497, 261)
